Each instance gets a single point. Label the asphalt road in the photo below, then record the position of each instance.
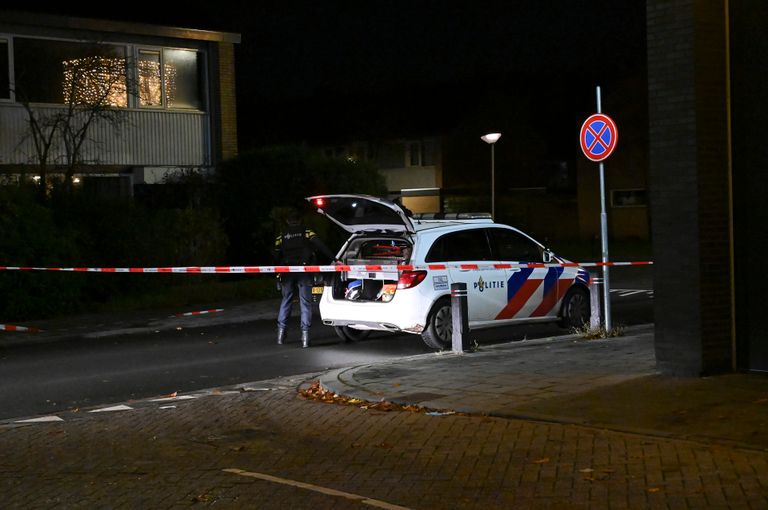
(84, 372)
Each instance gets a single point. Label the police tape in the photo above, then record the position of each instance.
(22, 329)
(200, 312)
(335, 268)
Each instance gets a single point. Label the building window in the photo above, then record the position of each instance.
(414, 151)
(629, 198)
(185, 89)
(428, 153)
(59, 72)
(5, 71)
(150, 78)
(170, 78)
(421, 153)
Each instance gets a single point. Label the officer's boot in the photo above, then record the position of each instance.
(280, 336)
(305, 338)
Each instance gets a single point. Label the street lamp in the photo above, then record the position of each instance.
(492, 138)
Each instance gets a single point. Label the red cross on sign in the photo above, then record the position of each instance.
(598, 137)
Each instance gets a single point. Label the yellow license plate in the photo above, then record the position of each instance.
(317, 290)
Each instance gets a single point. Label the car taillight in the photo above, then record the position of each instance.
(410, 279)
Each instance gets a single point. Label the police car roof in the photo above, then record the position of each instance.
(424, 221)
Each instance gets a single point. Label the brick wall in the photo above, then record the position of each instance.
(688, 173)
(227, 113)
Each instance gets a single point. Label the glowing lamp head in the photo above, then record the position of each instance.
(491, 138)
(319, 202)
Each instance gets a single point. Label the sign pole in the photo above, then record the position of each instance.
(604, 236)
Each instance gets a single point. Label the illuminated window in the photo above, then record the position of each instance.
(170, 78)
(5, 76)
(150, 84)
(183, 87)
(95, 81)
(48, 71)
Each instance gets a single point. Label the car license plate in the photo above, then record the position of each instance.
(317, 290)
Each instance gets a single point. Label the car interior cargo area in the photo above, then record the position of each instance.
(364, 286)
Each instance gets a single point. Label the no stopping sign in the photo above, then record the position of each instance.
(598, 137)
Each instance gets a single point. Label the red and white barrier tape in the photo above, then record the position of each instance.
(24, 329)
(315, 269)
(201, 312)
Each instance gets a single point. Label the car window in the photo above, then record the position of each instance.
(510, 245)
(461, 245)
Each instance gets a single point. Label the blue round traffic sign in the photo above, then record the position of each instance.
(598, 137)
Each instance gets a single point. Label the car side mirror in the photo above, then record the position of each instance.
(547, 256)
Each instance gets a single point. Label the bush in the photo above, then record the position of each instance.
(31, 237)
(81, 231)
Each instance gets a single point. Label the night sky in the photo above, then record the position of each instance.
(327, 71)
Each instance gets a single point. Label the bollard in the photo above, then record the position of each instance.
(459, 318)
(595, 319)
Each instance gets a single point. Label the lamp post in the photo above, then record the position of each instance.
(491, 139)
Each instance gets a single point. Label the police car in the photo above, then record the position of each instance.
(418, 301)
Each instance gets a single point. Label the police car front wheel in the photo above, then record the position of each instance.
(576, 308)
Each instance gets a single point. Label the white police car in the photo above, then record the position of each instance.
(418, 301)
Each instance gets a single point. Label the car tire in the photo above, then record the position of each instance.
(439, 329)
(350, 334)
(576, 309)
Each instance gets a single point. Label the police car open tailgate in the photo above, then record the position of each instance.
(362, 213)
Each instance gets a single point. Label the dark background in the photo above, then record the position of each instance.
(330, 71)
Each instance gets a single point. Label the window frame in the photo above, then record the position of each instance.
(126, 47)
(202, 75)
(617, 204)
(132, 50)
(8, 39)
(137, 49)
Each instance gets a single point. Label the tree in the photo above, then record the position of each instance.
(95, 89)
(253, 187)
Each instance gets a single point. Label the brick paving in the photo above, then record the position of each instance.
(174, 458)
(174, 453)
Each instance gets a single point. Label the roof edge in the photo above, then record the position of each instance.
(125, 27)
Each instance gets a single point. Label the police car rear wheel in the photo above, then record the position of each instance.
(351, 335)
(439, 330)
(576, 308)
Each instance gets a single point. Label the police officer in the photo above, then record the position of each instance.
(297, 246)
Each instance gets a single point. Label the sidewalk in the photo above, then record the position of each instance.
(609, 383)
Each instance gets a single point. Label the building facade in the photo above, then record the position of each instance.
(147, 100)
(708, 112)
(412, 167)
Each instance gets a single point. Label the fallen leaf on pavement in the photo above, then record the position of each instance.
(316, 392)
